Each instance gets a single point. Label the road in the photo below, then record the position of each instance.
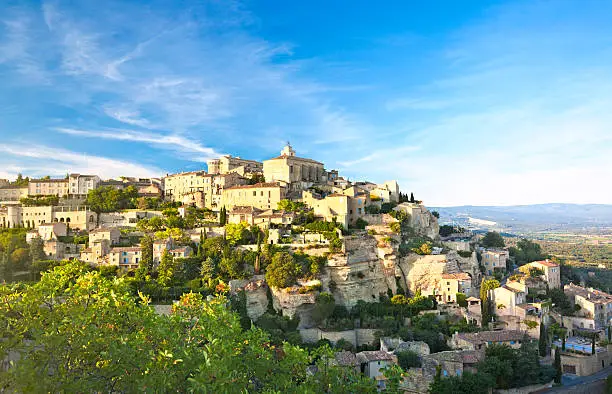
(580, 380)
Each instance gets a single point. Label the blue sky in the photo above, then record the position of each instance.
(482, 103)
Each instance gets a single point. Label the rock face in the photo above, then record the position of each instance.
(421, 219)
(359, 273)
(256, 295)
(423, 271)
(292, 304)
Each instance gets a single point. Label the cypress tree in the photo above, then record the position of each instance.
(411, 197)
(559, 372)
(223, 216)
(543, 340)
(200, 252)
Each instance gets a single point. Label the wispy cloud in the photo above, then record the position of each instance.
(41, 160)
(195, 150)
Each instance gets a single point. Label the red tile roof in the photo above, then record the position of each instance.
(546, 263)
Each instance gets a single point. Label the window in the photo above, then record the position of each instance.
(254, 193)
(445, 372)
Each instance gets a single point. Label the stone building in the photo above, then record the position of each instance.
(495, 260)
(594, 304)
(77, 217)
(200, 189)
(373, 362)
(110, 234)
(177, 185)
(295, 172)
(507, 298)
(48, 231)
(260, 195)
(333, 206)
(48, 187)
(480, 340)
(577, 358)
(552, 272)
(229, 163)
(12, 194)
(451, 284)
(79, 185)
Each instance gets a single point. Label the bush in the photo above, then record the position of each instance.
(396, 227)
(282, 271)
(360, 224)
(408, 359)
(465, 253)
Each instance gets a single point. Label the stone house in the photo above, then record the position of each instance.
(495, 260)
(578, 360)
(79, 185)
(48, 187)
(552, 272)
(48, 231)
(451, 284)
(480, 340)
(506, 298)
(261, 195)
(12, 194)
(111, 234)
(126, 257)
(594, 304)
(168, 244)
(228, 163)
(373, 363)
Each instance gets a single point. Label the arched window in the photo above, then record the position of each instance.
(61, 220)
(67, 220)
(91, 218)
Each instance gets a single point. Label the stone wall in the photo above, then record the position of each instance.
(358, 336)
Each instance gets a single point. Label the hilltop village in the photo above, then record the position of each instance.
(312, 257)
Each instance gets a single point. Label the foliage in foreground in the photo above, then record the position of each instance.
(78, 331)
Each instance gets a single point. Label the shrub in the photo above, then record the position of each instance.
(360, 224)
(465, 253)
(282, 271)
(396, 227)
(408, 359)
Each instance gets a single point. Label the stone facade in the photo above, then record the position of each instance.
(295, 172)
(357, 337)
(229, 163)
(261, 196)
(48, 187)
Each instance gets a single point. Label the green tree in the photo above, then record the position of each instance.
(37, 251)
(145, 265)
(468, 383)
(323, 308)
(557, 365)
(543, 341)
(493, 240)
(282, 271)
(92, 336)
(408, 359)
(209, 268)
(412, 198)
(165, 269)
(223, 216)
(485, 303)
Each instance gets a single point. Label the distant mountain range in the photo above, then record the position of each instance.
(530, 218)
